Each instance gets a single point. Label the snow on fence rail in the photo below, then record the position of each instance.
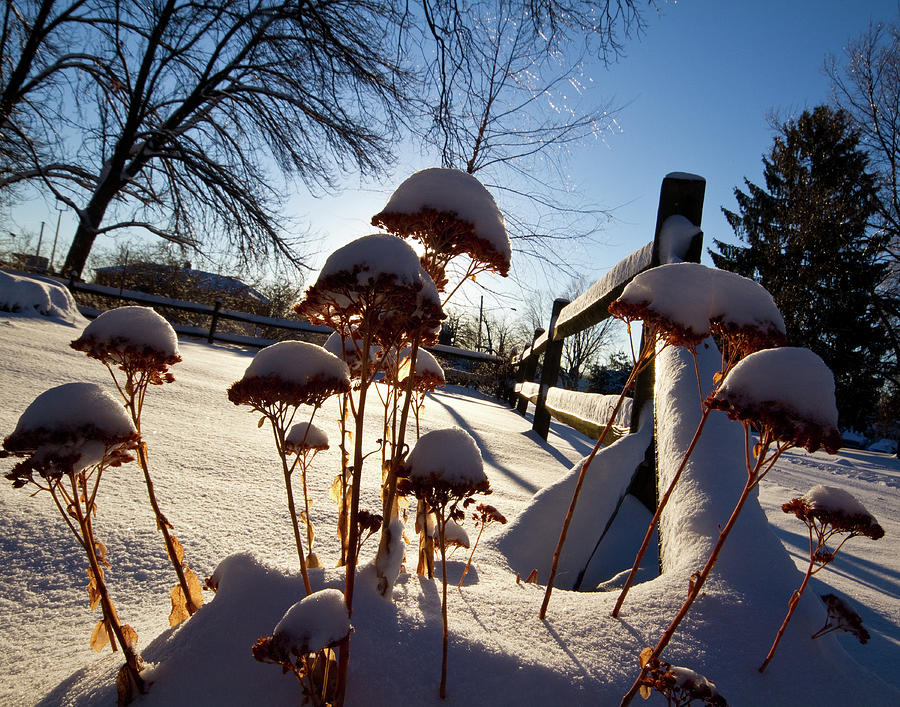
(677, 237)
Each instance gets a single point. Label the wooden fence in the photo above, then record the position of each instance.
(677, 237)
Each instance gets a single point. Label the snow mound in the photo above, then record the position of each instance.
(138, 327)
(449, 455)
(37, 296)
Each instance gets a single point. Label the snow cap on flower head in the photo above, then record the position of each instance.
(429, 374)
(744, 313)
(674, 299)
(135, 337)
(69, 428)
(450, 212)
(832, 506)
(376, 278)
(787, 391)
(304, 436)
(291, 372)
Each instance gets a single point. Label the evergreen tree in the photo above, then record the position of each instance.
(809, 242)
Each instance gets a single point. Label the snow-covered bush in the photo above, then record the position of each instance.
(302, 641)
(67, 437)
(444, 470)
(142, 345)
(827, 512)
(280, 379)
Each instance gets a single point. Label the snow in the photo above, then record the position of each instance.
(795, 378)
(34, 295)
(453, 190)
(375, 256)
(215, 475)
(834, 499)
(450, 455)
(305, 435)
(741, 302)
(593, 407)
(678, 293)
(313, 623)
(427, 367)
(675, 236)
(133, 327)
(455, 534)
(297, 362)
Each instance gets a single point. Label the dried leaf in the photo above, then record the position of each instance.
(645, 655)
(125, 687)
(177, 549)
(313, 562)
(130, 636)
(179, 604)
(334, 493)
(717, 376)
(645, 692)
(100, 551)
(261, 422)
(99, 636)
(533, 577)
(93, 589)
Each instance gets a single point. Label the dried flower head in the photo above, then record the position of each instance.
(134, 339)
(303, 437)
(835, 511)
(290, 373)
(69, 428)
(451, 214)
(787, 392)
(445, 466)
(744, 314)
(680, 686)
(486, 514)
(842, 617)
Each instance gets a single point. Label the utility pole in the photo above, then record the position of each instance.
(480, 317)
(40, 238)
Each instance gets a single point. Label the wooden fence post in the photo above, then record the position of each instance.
(549, 372)
(527, 369)
(680, 194)
(214, 322)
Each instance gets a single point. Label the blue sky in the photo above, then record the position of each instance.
(693, 94)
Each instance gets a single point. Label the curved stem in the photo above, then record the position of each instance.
(645, 357)
(656, 516)
(278, 431)
(792, 605)
(471, 555)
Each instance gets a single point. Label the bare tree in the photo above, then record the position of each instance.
(180, 109)
(508, 96)
(866, 85)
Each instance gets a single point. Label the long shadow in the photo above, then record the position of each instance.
(863, 571)
(486, 453)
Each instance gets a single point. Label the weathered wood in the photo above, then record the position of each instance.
(527, 370)
(549, 373)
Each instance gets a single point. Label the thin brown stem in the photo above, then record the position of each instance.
(792, 605)
(278, 431)
(471, 555)
(442, 524)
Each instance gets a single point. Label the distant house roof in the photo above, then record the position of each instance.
(208, 281)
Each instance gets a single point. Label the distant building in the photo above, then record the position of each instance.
(183, 283)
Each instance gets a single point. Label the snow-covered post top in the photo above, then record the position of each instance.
(686, 301)
(135, 338)
(291, 372)
(829, 505)
(451, 213)
(377, 275)
(788, 392)
(69, 428)
(314, 623)
(305, 436)
(445, 465)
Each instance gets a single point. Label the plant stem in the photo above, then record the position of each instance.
(278, 431)
(753, 477)
(792, 605)
(471, 555)
(644, 358)
(441, 530)
(656, 516)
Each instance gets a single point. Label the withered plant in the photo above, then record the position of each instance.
(483, 515)
(302, 644)
(68, 437)
(142, 345)
(280, 379)
(680, 686)
(841, 617)
(770, 393)
(305, 440)
(827, 512)
(444, 470)
(744, 319)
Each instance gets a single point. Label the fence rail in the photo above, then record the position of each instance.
(677, 237)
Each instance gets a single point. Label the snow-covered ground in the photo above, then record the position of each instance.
(219, 483)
